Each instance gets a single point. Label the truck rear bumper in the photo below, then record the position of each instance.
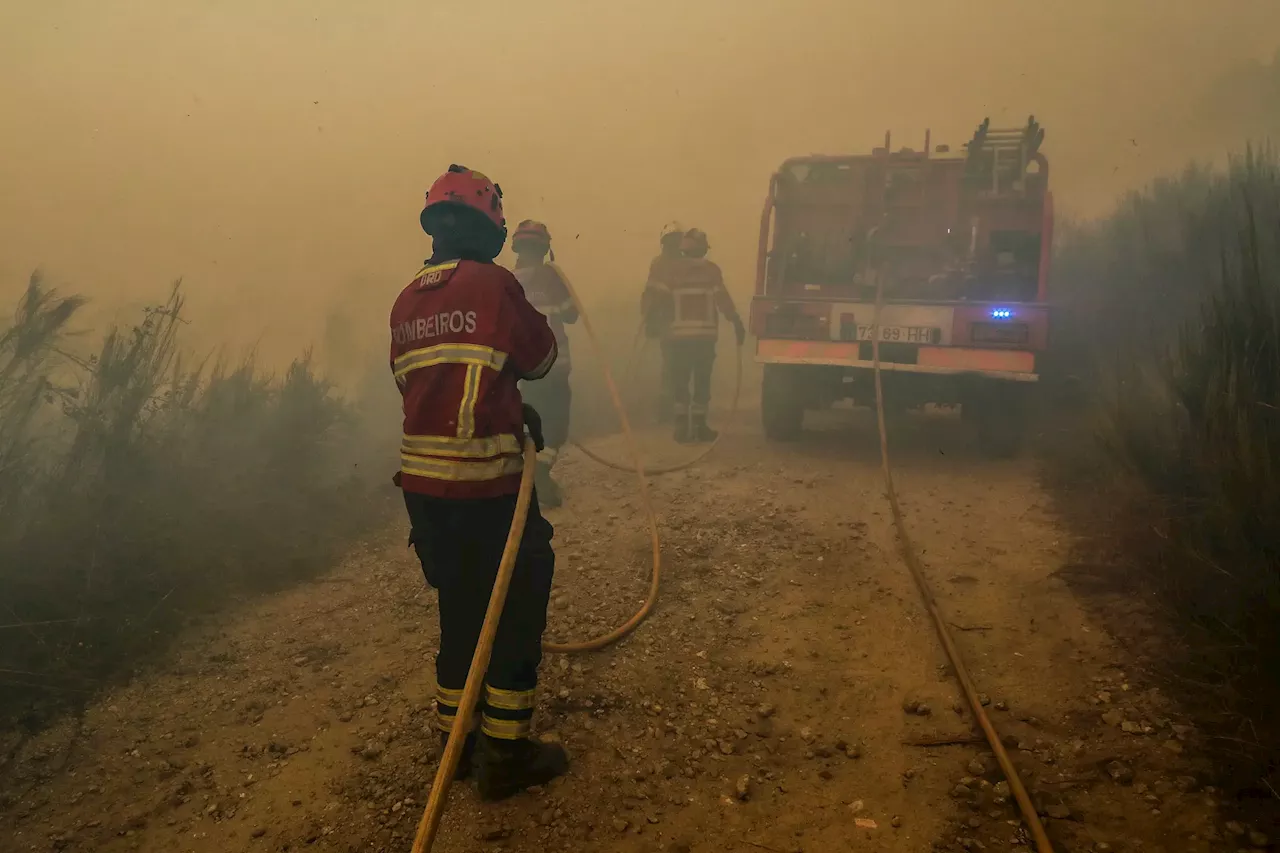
(1009, 365)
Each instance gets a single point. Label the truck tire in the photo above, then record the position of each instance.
(999, 414)
(781, 403)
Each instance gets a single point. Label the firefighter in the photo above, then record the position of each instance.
(655, 304)
(462, 336)
(544, 286)
(697, 297)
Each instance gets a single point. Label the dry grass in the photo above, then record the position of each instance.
(138, 489)
(1173, 324)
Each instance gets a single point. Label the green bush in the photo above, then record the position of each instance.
(138, 489)
(1174, 303)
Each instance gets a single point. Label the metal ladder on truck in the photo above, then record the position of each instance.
(1000, 155)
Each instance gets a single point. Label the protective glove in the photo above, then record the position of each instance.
(533, 421)
(739, 331)
(395, 479)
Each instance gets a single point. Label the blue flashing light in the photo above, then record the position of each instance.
(1001, 313)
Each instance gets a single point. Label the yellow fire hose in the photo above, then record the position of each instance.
(637, 466)
(679, 466)
(912, 562)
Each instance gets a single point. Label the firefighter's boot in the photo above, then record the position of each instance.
(549, 493)
(468, 753)
(507, 767)
(681, 432)
(700, 433)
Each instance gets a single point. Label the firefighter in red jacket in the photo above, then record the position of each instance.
(462, 336)
(545, 287)
(697, 296)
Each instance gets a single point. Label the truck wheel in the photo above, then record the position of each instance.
(999, 413)
(781, 403)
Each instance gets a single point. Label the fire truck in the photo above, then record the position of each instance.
(955, 246)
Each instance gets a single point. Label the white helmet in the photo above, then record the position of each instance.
(671, 229)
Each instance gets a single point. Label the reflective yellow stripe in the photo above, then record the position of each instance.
(699, 333)
(469, 354)
(542, 369)
(460, 448)
(447, 265)
(467, 408)
(460, 471)
(448, 697)
(445, 723)
(555, 310)
(682, 297)
(506, 729)
(684, 326)
(509, 700)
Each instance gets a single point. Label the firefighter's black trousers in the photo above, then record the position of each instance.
(552, 397)
(460, 545)
(664, 385)
(689, 362)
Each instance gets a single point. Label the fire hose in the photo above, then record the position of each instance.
(914, 566)
(637, 466)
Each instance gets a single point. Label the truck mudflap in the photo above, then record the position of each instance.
(1011, 365)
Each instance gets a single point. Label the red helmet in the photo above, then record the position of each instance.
(531, 230)
(468, 188)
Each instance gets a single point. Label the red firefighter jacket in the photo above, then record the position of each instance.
(462, 335)
(697, 297)
(544, 286)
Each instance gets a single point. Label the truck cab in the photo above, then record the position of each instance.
(959, 246)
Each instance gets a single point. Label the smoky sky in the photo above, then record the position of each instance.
(275, 153)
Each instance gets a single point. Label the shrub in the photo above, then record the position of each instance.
(1184, 284)
(138, 489)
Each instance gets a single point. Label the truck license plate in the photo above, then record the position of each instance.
(900, 334)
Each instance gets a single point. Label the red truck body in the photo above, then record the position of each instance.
(961, 244)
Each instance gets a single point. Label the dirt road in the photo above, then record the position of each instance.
(777, 700)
